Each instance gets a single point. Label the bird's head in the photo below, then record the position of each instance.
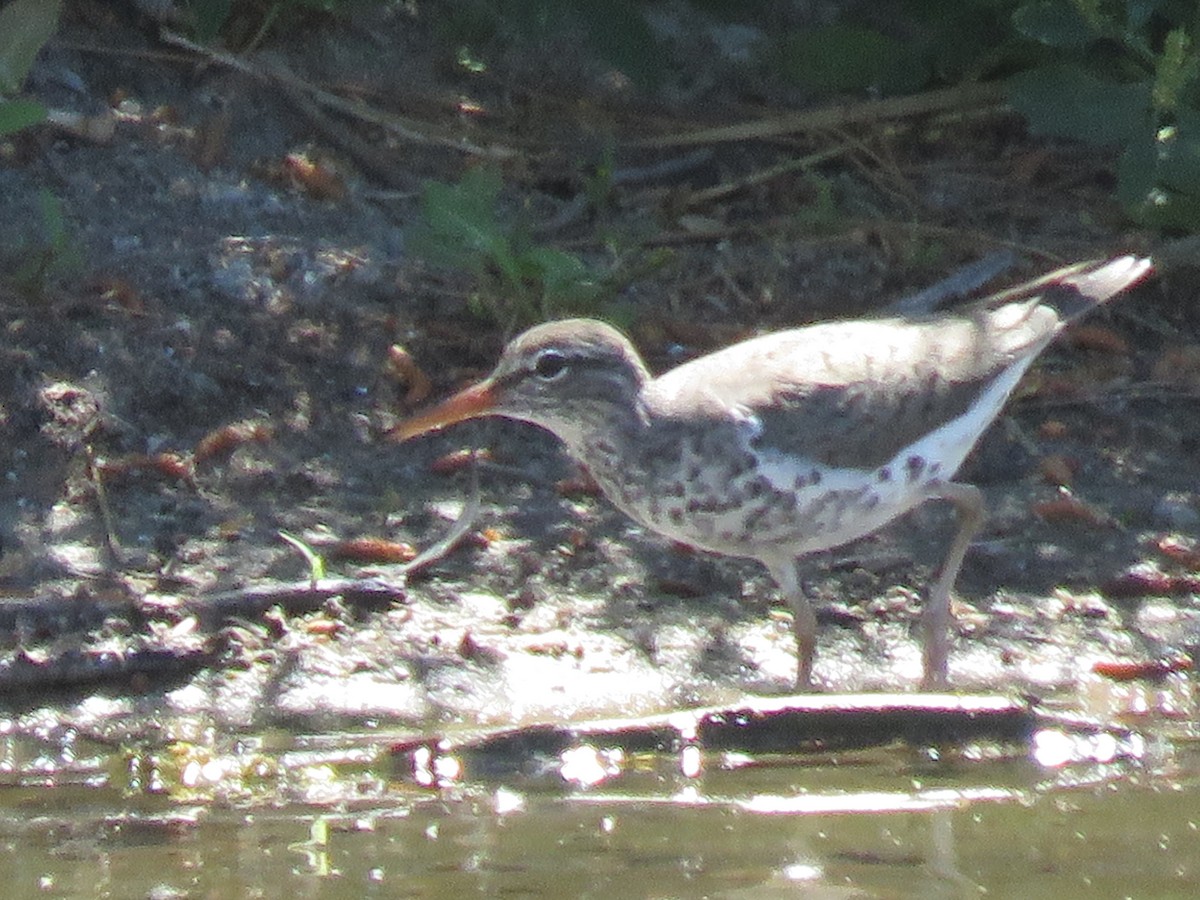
(570, 377)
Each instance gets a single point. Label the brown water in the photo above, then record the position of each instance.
(341, 816)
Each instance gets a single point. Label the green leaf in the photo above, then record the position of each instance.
(209, 17)
(850, 58)
(618, 32)
(1158, 176)
(1180, 152)
(1065, 101)
(54, 223)
(822, 214)
(1136, 173)
(557, 266)
(519, 280)
(461, 225)
(1174, 69)
(18, 114)
(1167, 210)
(567, 283)
(1055, 23)
(25, 26)
(963, 39)
(1138, 12)
(51, 254)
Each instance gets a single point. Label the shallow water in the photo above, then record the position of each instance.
(1119, 839)
(342, 815)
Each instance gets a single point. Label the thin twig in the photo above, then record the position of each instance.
(761, 176)
(630, 176)
(964, 96)
(293, 596)
(396, 125)
(307, 594)
(457, 531)
(957, 235)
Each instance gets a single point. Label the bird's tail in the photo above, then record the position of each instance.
(1074, 290)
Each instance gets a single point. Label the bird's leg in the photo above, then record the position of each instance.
(968, 505)
(804, 620)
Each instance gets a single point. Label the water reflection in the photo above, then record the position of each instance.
(1116, 838)
(1072, 813)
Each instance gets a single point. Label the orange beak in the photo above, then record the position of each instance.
(469, 403)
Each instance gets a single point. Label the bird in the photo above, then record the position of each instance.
(794, 441)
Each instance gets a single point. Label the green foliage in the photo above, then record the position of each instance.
(520, 282)
(823, 214)
(18, 114)
(614, 30)
(849, 58)
(210, 19)
(928, 40)
(1175, 71)
(25, 26)
(619, 34)
(1055, 24)
(1063, 100)
(1122, 76)
(51, 255)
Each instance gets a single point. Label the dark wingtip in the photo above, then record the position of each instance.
(1079, 288)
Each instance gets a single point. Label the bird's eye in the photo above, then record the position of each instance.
(550, 365)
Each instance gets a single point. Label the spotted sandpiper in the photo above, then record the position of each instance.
(795, 441)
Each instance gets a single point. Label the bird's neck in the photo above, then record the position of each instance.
(606, 437)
